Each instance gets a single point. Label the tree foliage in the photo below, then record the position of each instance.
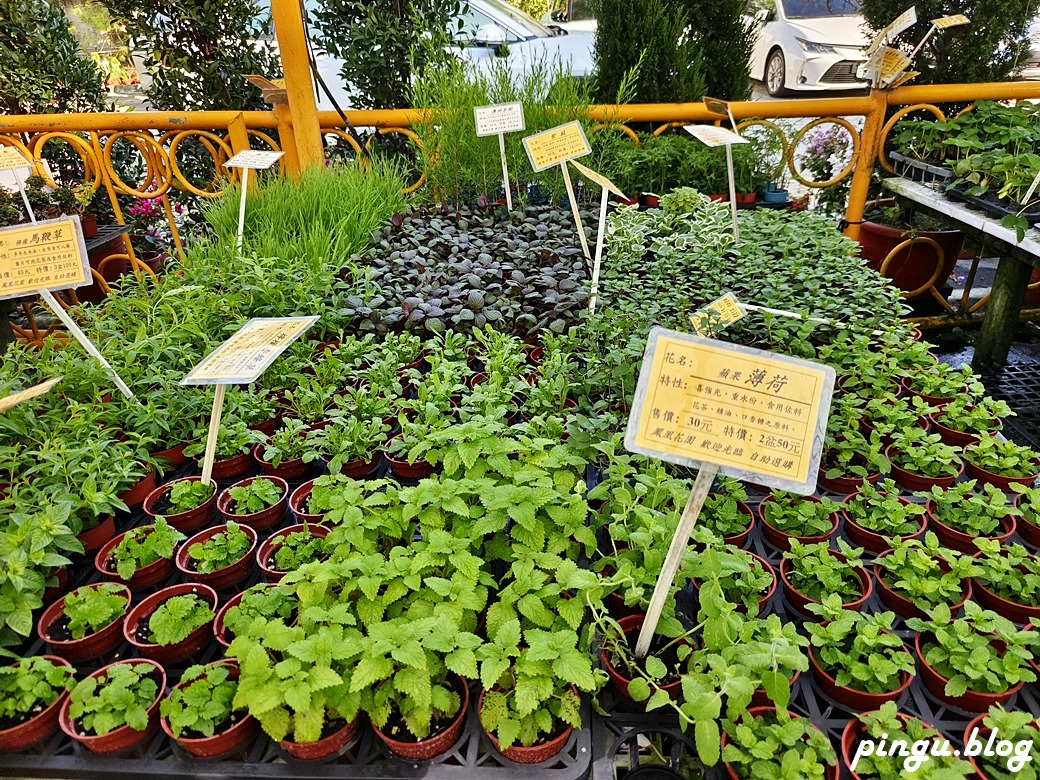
(42, 70)
(989, 49)
(197, 51)
(724, 40)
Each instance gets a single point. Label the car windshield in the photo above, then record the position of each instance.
(811, 9)
(519, 19)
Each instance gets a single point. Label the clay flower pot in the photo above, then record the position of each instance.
(781, 540)
(37, 728)
(230, 468)
(631, 625)
(224, 743)
(918, 482)
(852, 734)
(94, 539)
(998, 480)
(760, 712)
(228, 577)
(1028, 527)
(189, 520)
(906, 608)
(187, 647)
(535, 754)
(124, 738)
(258, 521)
(402, 469)
(267, 427)
(323, 748)
(145, 576)
(358, 469)
(435, 745)
(970, 701)
(960, 541)
(870, 540)
(800, 601)
(298, 500)
(762, 602)
(268, 548)
(174, 455)
(1012, 610)
(88, 647)
(850, 697)
(136, 495)
(288, 469)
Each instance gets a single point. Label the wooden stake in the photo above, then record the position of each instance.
(732, 191)
(242, 210)
(211, 437)
(600, 235)
(705, 477)
(575, 211)
(505, 171)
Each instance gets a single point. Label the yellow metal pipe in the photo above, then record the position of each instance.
(959, 93)
(869, 141)
(288, 139)
(149, 120)
(239, 135)
(696, 112)
(299, 85)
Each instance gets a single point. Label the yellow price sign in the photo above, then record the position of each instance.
(29, 393)
(717, 315)
(47, 255)
(10, 158)
(755, 414)
(598, 178)
(556, 145)
(245, 356)
(945, 22)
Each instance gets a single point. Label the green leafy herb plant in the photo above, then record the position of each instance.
(976, 513)
(287, 444)
(796, 515)
(200, 706)
(722, 512)
(297, 548)
(877, 508)
(888, 721)
(263, 601)
(924, 454)
(31, 685)
(220, 550)
(1009, 571)
(984, 416)
(176, 618)
(145, 545)
(1019, 728)
(925, 572)
(261, 493)
(120, 696)
(777, 745)
(91, 608)
(186, 495)
(814, 571)
(1003, 458)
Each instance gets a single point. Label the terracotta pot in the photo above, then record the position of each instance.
(187, 521)
(433, 746)
(136, 495)
(267, 427)
(223, 744)
(852, 734)
(221, 579)
(761, 712)
(323, 748)
(960, 541)
(906, 608)
(358, 469)
(950, 435)
(402, 469)
(88, 223)
(1014, 611)
(288, 469)
(175, 455)
(800, 601)
(124, 738)
(997, 480)
(258, 521)
(970, 701)
(144, 577)
(844, 485)
(299, 499)
(94, 539)
(272, 543)
(869, 540)
(918, 482)
(536, 754)
(632, 625)
(89, 647)
(850, 697)
(1028, 526)
(762, 602)
(37, 728)
(231, 468)
(981, 733)
(781, 540)
(187, 647)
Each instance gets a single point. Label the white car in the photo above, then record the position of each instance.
(806, 45)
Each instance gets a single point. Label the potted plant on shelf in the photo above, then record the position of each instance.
(1028, 503)
(282, 454)
(889, 415)
(1008, 581)
(857, 659)
(807, 519)
(349, 445)
(726, 514)
(32, 691)
(851, 459)
(233, 455)
(86, 623)
(263, 601)
(198, 714)
(915, 577)
(874, 514)
(258, 502)
(1002, 463)
(186, 504)
(116, 708)
(811, 571)
(961, 423)
(292, 547)
(173, 624)
(941, 384)
(220, 557)
(920, 461)
(959, 515)
(972, 662)
(779, 743)
(142, 556)
(746, 580)
(1019, 729)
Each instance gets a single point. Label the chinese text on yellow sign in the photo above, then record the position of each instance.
(716, 315)
(48, 255)
(556, 145)
(244, 356)
(10, 157)
(745, 410)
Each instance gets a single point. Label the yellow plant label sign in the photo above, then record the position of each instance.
(709, 135)
(945, 22)
(30, 392)
(47, 255)
(556, 145)
(717, 315)
(757, 415)
(598, 178)
(248, 353)
(10, 158)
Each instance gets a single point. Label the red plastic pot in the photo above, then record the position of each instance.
(299, 499)
(136, 495)
(1012, 610)
(175, 455)
(268, 548)
(960, 541)
(258, 521)
(323, 748)
(187, 647)
(631, 625)
(37, 728)
(869, 540)
(223, 744)
(983, 736)
(998, 480)
(845, 484)
(94, 539)
(917, 482)
(781, 540)
(187, 521)
(761, 712)
(267, 427)
(89, 647)
(358, 469)
(762, 602)
(950, 435)
(402, 469)
(850, 697)
(906, 608)
(124, 738)
(230, 468)
(851, 736)
(57, 589)
(144, 577)
(433, 746)
(221, 579)
(1028, 527)
(288, 469)
(800, 601)
(970, 701)
(536, 754)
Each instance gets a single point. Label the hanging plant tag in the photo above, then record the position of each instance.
(257, 160)
(757, 415)
(709, 135)
(47, 255)
(945, 22)
(29, 393)
(556, 145)
(10, 158)
(501, 118)
(717, 315)
(247, 354)
(598, 178)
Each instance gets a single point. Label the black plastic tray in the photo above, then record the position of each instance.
(992, 208)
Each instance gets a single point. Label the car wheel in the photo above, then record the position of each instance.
(775, 74)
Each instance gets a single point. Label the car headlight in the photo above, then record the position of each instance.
(815, 48)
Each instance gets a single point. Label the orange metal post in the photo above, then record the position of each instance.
(869, 141)
(299, 85)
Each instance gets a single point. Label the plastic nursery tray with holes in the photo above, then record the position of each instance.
(424, 550)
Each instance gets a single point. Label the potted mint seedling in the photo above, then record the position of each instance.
(1002, 463)
(916, 576)
(961, 423)
(172, 624)
(1008, 580)
(282, 454)
(220, 557)
(812, 571)
(86, 623)
(942, 383)
(726, 514)
(142, 556)
(349, 445)
(920, 461)
(290, 548)
(233, 455)
(32, 691)
(263, 601)
(851, 459)
(959, 515)
(1027, 501)
(770, 743)
(186, 504)
(747, 581)
(258, 502)
(875, 514)
(198, 714)
(1021, 729)
(807, 519)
